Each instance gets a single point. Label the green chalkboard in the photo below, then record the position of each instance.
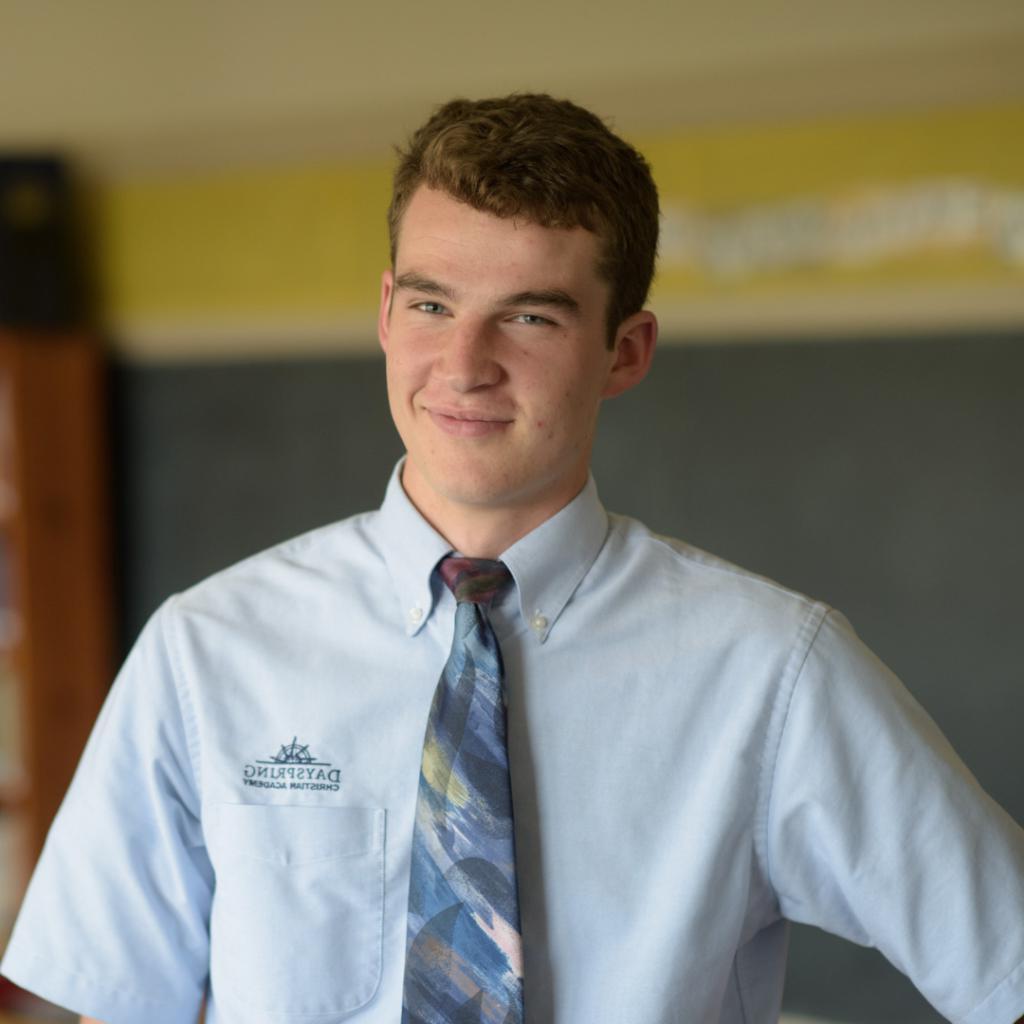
(883, 476)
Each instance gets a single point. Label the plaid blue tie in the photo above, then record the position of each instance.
(464, 960)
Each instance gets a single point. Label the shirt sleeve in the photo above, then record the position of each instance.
(877, 832)
(115, 921)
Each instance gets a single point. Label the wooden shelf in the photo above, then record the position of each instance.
(56, 628)
(14, 795)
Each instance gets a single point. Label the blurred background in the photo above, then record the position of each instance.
(192, 232)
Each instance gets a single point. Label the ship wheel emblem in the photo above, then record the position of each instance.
(294, 753)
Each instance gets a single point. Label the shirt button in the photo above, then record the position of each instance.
(415, 614)
(538, 622)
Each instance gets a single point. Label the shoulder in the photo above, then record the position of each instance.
(688, 582)
(277, 581)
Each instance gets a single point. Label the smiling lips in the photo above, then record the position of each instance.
(467, 423)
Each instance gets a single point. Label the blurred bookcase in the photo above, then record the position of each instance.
(56, 628)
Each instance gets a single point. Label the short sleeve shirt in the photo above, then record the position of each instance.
(698, 756)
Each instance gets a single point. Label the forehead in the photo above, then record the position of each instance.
(444, 236)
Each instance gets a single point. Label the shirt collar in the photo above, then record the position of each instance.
(547, 564)
(412, 548)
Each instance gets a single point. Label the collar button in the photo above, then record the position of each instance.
(538, 623)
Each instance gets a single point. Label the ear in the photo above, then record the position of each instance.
(634, 349)
(387, 289)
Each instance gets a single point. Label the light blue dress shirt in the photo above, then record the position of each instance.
(698, 755)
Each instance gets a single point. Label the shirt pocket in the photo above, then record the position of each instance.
(297, 920)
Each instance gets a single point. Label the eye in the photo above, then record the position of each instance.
(534, 319)
(434, 308)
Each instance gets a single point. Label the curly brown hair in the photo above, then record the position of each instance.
(551, 162)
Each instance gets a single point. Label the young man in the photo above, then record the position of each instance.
(282, 807)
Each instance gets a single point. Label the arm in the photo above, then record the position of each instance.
(890, 832)
(125, 882)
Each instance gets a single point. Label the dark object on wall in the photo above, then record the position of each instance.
(39, 279)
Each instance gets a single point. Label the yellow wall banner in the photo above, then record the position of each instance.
(765, 228)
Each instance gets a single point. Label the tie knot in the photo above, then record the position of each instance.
(474, 579)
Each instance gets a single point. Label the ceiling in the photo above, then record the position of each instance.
(141, 84)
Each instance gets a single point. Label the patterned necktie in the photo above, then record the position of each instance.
(464, 960)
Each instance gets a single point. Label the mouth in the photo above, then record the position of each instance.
(468, 423)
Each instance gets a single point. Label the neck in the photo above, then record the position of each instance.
(484, 531)
(483, 536)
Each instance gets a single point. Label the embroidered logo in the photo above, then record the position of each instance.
(292, 767)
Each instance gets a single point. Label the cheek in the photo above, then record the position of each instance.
(402, 371)
(564, 393)
(564, 413)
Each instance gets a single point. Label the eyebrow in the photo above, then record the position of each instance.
(419, 283)
(551, 297)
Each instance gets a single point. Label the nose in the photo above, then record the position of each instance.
(468, 357)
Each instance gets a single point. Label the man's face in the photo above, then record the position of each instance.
(497, 361)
